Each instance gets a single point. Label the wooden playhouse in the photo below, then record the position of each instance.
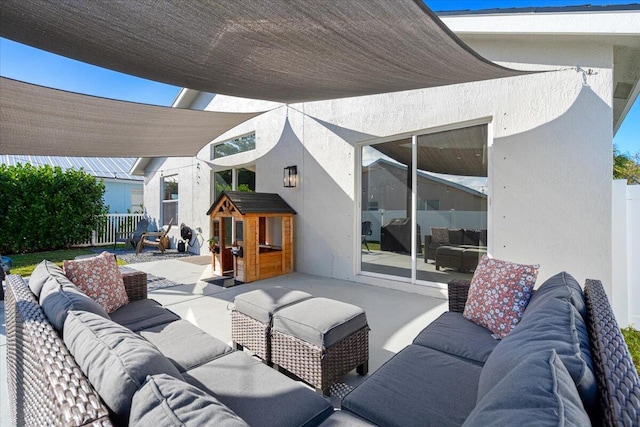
(254, 235)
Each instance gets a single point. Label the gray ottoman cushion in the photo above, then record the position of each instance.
(262, 303)
(419, 386)
(259, 394)
(454, 334)
(344, 419)
(166, 401)
(59, 296)
(143, 314)
(556, 325)
(186, 345)
(537, 392)
(41, 274)
(115, 359)
(450, 251)
(561, 286)
(320, 321)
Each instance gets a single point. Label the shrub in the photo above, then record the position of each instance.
(46, 208)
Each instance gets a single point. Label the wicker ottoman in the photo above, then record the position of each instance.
(471, 257)
(449, 256)
(252, 315)
(319, 340)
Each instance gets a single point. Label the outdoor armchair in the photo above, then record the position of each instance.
(131, 238)
(156, 239)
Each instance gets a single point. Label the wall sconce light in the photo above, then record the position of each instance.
(290, 176)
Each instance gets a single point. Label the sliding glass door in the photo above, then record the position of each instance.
(424, 205)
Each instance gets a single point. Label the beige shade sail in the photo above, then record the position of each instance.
(286, 51)
(42, 121)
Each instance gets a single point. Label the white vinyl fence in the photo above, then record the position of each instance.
(476, 220)
(625, 253)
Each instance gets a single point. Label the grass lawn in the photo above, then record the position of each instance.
(24, 264)
(632, 337)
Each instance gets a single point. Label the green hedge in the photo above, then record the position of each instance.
(44, 208)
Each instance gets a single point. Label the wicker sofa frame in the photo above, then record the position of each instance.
(46, 386)
(617, 378)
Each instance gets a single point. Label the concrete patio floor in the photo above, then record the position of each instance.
(395, 317)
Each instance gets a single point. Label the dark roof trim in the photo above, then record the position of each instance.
(245, 203)
(548, 9)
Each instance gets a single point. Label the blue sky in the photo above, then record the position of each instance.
(31, 65)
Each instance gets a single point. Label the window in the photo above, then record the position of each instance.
(433, 205)
(170, 199)
(234, 146)
(137, 199)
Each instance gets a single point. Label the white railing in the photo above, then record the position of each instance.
(112, 224)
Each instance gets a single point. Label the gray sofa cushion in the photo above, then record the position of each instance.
(115, 360)
(537, 392)
(184, 344)
(41, 273)
(143, 314)
(259, 394)
(262, 303)
(419, 386)
(453, 334)
(320, 321)
(167, 401)
(59, 296)
(561, 286)
(554, 325)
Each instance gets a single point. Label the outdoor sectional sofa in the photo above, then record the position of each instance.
(565, 363)
(438, 380)
(141, 365)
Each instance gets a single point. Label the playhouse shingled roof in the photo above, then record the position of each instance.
(248, 203)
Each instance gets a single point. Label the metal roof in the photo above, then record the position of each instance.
(246, 202)
(100, 167)
(547, 9)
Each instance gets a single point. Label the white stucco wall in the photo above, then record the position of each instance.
(550, 161)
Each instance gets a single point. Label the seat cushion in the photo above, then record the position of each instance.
(453, 334)
(537, 392)
(320, 321)
(419, 386)
(115, 360)
(143, 314)
(59, 296)
(262, 303)
(99, 278)
(184, 344)
(41, 274)
(499, 293)
(562, 286)
(344, 419)
(450, 251)
(259, 394)
(166, 401)
(555, 325)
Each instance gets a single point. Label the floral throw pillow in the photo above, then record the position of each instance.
(439, 235)
(499, 293)
(99, 278)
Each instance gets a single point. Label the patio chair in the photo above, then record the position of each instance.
(131, 238)
(366, 231)
(156, 239)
